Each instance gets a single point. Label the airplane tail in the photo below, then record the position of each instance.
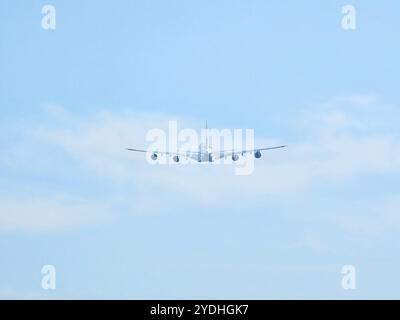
(206, 136)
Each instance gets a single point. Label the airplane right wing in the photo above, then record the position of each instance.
(235, 153)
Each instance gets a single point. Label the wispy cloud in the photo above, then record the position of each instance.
(49, 214)
(371, 217)
(337, 141)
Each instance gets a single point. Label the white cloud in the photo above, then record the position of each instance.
(361, 99)
(25, 214)
(336, 142)
(372, 217)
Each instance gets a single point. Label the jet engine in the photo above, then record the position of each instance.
(154, 156)
(235, 157)
(175, 158)
(257, 154)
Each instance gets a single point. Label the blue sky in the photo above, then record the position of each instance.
(114, 227)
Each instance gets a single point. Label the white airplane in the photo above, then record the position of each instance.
(204, 153)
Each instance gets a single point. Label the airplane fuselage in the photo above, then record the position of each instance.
(204, 157)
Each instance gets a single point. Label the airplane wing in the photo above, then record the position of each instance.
(225, 153)
(187, 154)
(136, 150)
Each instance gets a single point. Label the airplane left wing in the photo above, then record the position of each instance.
(154, 154)
(136, 150)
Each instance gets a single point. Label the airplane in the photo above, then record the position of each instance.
(204, 153)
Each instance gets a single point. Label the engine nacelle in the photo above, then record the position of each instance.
(175, 158)
(235, 157)
(154, 156)
(257, 154)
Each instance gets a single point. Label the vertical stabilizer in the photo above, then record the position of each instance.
(206, 137)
